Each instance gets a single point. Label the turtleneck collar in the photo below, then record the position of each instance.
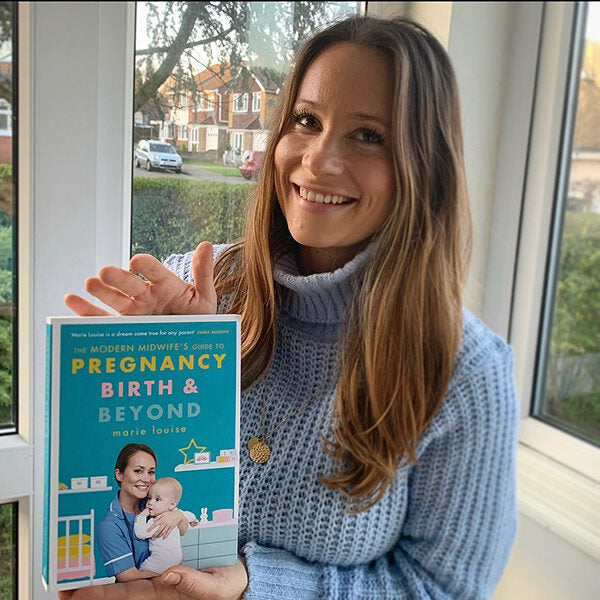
(322, 297)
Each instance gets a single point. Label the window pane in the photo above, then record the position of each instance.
(571, 391)
(8, 551)
(7, 217)
(213, 108)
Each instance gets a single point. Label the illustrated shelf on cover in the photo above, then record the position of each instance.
(168, 385)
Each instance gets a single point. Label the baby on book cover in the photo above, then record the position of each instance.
(142, 447)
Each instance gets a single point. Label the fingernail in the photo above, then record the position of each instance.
(172, 578)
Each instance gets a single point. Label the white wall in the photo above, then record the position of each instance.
(80, 157)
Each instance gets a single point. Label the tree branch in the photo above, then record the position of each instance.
(150, 87)
(162, 49)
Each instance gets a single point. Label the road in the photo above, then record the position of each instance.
(189, 172)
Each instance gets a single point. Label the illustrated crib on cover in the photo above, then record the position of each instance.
(76, 547)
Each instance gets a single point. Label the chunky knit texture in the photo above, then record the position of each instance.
(444, 528)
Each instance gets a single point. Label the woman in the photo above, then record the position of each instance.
(122, 551)
(380, 419)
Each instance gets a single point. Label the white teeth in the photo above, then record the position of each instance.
(321, 198)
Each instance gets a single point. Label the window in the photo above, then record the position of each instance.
(182, 132)
(10, 425)
(240, 103)
(567, 387)
(205, 102)
(237, 140)
(558, 467)
(7, 224)
(256, 101)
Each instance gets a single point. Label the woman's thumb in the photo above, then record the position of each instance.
(185, 580)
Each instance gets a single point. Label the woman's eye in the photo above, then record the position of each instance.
(370, 136)
(304, 119)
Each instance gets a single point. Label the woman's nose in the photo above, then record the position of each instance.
(324, 156)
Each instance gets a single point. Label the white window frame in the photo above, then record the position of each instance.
(182, 132)
(240, 103)
(77, 216)
(237, 136)
(256, 98)
(6, 110)
(558, 474)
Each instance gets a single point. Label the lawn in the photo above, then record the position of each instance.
(214, 167)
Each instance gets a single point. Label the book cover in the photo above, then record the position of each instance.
(171, 383)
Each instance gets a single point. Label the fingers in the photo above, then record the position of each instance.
(82, 307)
(151, 268)
(203, 272)
(126, 281)
(111, 296)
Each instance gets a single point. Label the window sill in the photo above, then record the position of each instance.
(15, 468)
(555, 490)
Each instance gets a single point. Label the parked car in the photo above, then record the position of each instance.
(153, 154)
(252, 161)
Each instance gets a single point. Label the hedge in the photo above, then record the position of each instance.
(173, 215)
(576, 328)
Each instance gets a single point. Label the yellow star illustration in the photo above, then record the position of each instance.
(188, 448)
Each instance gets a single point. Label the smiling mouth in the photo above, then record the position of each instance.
(319, 198)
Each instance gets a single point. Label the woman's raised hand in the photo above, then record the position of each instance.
(161, 292)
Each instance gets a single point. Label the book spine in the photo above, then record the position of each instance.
(47, 447)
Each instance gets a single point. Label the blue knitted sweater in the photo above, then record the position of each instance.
(444, 528)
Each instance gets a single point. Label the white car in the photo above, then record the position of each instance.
(153, 154)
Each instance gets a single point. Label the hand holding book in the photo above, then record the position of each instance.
(161, 292)
(178, 583)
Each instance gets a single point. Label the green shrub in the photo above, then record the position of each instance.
(7, 551)
(576, 326)
(6, 408)
(173, 215)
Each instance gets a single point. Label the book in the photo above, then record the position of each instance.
(171, 383)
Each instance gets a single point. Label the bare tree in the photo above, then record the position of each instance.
(222, 29)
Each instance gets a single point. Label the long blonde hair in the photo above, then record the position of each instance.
(403, 330)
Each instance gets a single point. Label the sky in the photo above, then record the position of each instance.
(592, 31)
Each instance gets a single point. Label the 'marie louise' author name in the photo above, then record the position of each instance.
(129, 364)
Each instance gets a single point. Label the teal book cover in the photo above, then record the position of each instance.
(160, 394)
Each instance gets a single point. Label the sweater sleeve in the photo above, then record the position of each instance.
(461, 518)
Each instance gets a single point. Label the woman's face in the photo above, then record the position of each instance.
(334, 171)
(138, 475)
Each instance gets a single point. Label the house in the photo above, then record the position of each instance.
(252, 103)
(229, 109)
